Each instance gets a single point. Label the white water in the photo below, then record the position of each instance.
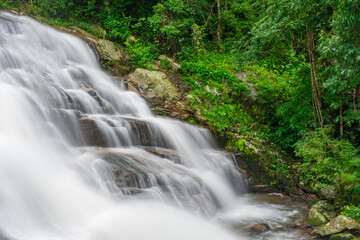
(153, 178)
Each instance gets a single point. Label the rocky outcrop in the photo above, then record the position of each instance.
(337, 225)
(112, 56)
(165, 93)
(155, 83)
(321, 213)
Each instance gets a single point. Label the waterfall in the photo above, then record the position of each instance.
(83, 158)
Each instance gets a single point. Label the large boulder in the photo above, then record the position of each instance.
(165, 93)
(337, 225)
(155, 82)
(108, 50)
(321, 213)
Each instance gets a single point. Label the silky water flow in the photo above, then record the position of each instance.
(83, 158)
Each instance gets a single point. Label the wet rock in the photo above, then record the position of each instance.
(337, 225)
(92, 132)
(164, 153)
(141, 132)
(328, 193)
(106, 106)
(260, 228)
(321, 213)
(342, 236)
(292, 226)
(127, 179)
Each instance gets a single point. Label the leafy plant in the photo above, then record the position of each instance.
(352, 211)
(141, 53)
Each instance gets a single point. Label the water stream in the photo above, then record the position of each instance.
(83, 158)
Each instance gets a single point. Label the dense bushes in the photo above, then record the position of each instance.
(329, 162)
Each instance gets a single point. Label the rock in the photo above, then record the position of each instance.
(262, 188)
(92, 132)
(328, 193)
(320, 213)
(342, 236)
(128, 175)
(292, 226)
(105, 105)
(111, 55)
(164, 92)
(155, 82)
(164, 153)
(337, 225)
(141, 132)
(107, 50)
(260, 228)
(174, 65)
(127, 179)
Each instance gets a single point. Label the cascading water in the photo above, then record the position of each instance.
(83, 158)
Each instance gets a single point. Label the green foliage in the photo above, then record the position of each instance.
(341, 48)
(283, 94)
(329, 161)
(212, 77)
(141, 53)
(352, 211)
(165, 64)
(118, 29)
(5, 4)
(216, 94)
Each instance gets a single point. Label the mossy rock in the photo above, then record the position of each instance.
(337, 225)
(328, 193)
(155, 82)
(342, 236)
(321, 213)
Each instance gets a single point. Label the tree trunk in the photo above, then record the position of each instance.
(341, 121)
(315, 89)
(218, 32)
